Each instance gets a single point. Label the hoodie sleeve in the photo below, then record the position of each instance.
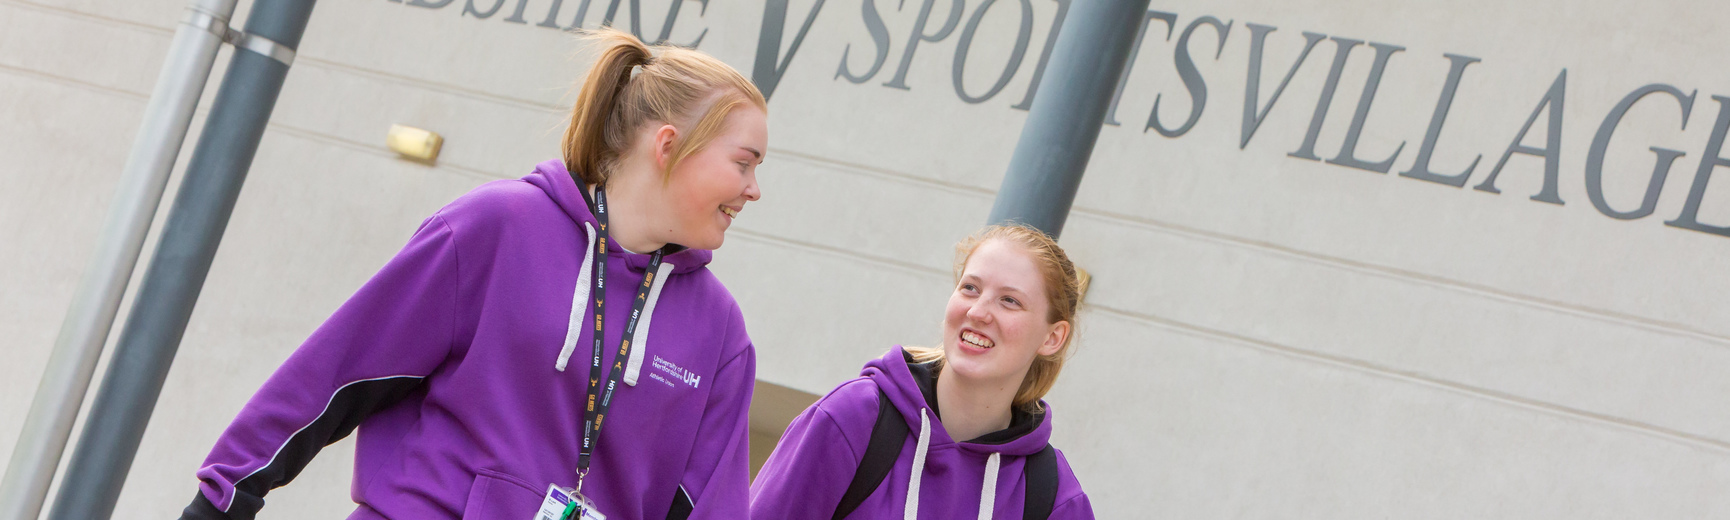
(810, 469)
(1076, 508)
(718, 477)
(1073, 503)
(371, 353)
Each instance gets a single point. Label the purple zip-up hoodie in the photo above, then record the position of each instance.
(817, 457)
(465, 364)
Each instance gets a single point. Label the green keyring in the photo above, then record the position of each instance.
(570, 510)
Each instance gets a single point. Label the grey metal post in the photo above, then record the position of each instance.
(176, 274)
(1063, 123)
(59, 395)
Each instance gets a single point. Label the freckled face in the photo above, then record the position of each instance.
(711, 186)
(994, 325)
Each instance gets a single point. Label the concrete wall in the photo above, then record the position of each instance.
(1267, 336)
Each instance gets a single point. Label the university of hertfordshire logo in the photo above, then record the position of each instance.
(674, 373)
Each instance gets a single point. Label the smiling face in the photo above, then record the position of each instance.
(995, 324)
(708, 188)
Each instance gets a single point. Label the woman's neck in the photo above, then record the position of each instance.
(971, 409)
(630, 221)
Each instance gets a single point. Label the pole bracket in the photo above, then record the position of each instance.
(206, 22)
(239, 39)
(262, 46)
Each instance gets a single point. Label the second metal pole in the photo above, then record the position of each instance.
(1063, 123)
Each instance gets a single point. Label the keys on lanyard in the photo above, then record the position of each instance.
(596, 411)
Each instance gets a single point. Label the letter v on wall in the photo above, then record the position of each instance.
(1252, 117)
(770, 64)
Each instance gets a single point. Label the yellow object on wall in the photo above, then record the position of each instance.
(414, 143)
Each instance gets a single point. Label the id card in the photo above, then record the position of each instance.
(559, 499)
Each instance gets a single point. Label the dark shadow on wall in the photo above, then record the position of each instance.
(773, 407)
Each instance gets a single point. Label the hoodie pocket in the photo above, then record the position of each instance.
(497, 496)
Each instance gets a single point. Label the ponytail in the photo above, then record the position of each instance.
(587, 155)
(678, 87)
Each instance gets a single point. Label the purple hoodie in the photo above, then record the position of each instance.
(810, 469)
(452, 361)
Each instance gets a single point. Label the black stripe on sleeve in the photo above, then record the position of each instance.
(682, 505)
(348, 407)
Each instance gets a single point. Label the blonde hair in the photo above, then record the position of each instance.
(668, 88)
(1062, 294)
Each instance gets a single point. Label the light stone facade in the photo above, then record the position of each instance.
(1267, 336)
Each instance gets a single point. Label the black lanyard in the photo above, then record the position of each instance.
(596, 412)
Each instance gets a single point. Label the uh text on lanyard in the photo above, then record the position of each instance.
(572, 503)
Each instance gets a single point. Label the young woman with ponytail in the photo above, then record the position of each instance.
(956, 431)
(483, 363)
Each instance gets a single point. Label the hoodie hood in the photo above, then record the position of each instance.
(552, 178)
(898, 381)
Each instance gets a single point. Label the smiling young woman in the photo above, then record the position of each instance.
(957, 431)
(454, 361)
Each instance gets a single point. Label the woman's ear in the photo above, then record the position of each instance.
(666, 139)
(1054, 340)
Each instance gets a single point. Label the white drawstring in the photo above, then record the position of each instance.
(640, 339)
(912, 509)
(579, 302)
(580, 306)
(988, 493)
(988, 489)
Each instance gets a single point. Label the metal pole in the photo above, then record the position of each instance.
(83, 332)
(176, 274)
(1063, 123)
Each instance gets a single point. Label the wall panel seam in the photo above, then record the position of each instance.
(1640, 322)
(311, 135)
(846, 254)
(871, 171)
(93, 18)
(1507, 399)
(71, 82)
(307, 134)
(434, 86)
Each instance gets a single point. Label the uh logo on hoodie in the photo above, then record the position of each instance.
(674, 372)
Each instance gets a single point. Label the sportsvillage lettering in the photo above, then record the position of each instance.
(772, 62)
